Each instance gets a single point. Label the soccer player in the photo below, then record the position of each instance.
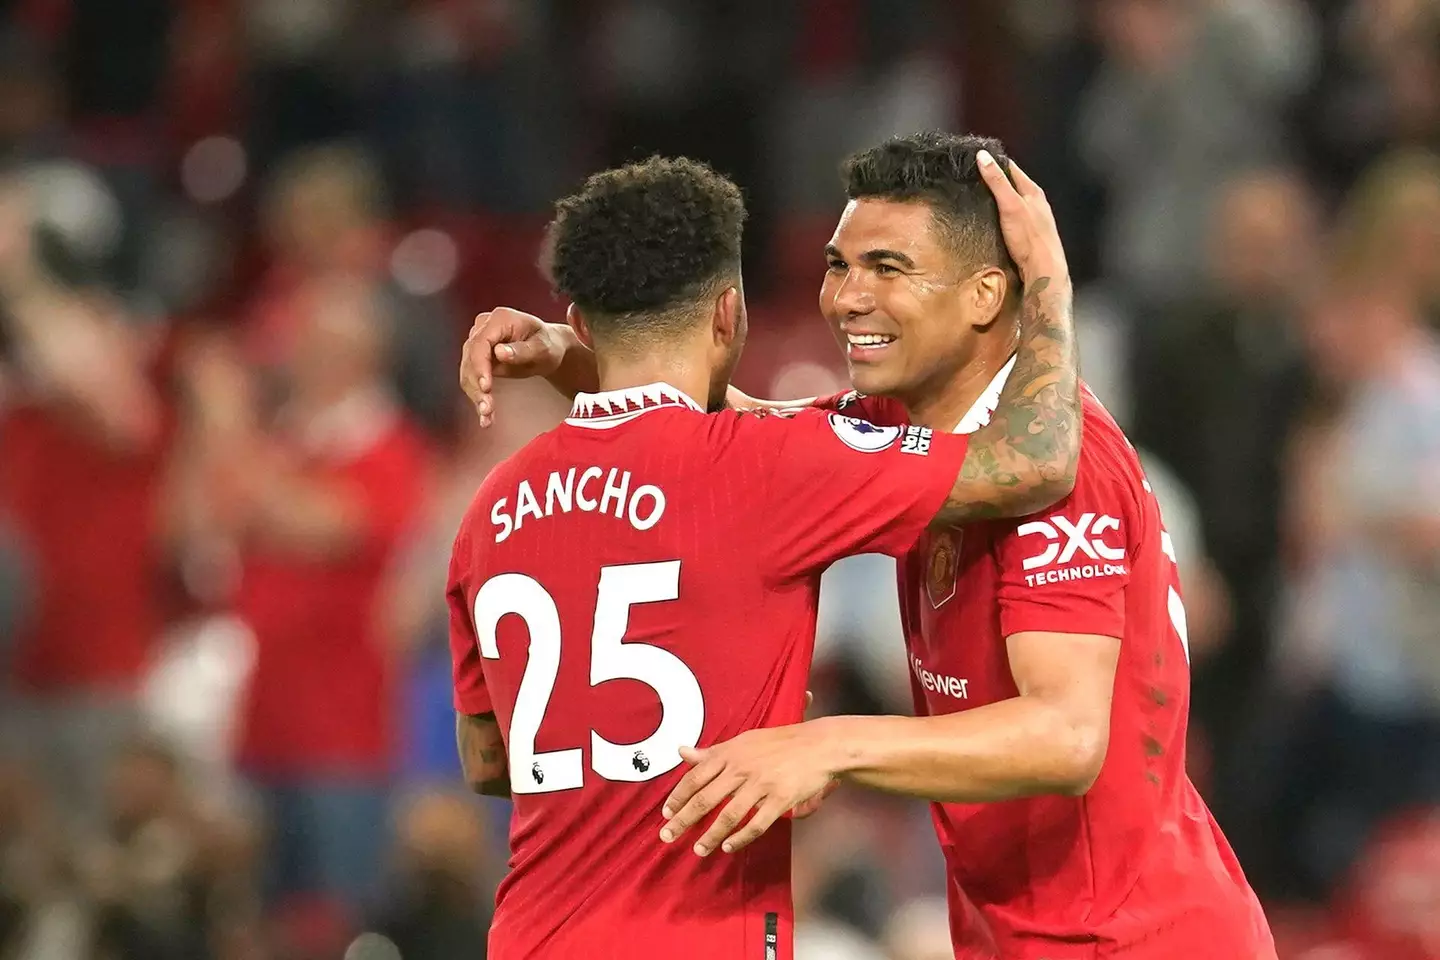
(1048, 657)
(643, 578)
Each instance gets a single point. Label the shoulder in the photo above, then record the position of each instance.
(882, 411)
(503, 478)
(816, 430)
(1109, 464)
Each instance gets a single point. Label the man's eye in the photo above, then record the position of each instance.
(885, 270)
(837, 264)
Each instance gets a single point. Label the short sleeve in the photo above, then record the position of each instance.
(471, 696)
(1065, 570)
(836, 486)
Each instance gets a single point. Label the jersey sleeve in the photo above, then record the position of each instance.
(826, 486)
(881, 411)
(471, 696)
(1065, 570)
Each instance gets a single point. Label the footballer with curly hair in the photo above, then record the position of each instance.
(643, 578)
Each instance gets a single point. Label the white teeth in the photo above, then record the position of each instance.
(868, 339)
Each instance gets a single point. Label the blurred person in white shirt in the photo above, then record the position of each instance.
(1362, 635)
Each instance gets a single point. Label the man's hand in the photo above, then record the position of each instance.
(1027, 223)
(507, 344)
(766, 772)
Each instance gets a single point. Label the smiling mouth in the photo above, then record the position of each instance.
(867, 346)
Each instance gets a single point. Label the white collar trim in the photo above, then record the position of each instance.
(979, 415)
(600, 411)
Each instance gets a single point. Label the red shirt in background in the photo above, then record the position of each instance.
(88, 520)
(321, 699)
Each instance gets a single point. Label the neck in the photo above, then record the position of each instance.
(685, 373)
(943, 403)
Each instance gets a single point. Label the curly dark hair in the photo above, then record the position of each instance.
(640, 244)
(938, 169)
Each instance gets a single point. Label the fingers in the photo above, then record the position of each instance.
(520, 354)
(694, 781)
(1005, 194)
(697, 808)
(809, 699)
(730, 817)
(1026, 187)
(769, 812)
(475, 369)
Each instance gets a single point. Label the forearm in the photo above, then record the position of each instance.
(482, 754)
(577, 372)
(737, 399)
(1026, 458)
(1015, 748)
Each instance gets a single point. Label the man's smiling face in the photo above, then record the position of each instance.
(897, 299)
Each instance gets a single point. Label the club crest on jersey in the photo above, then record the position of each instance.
(863, 435)
(942, 565)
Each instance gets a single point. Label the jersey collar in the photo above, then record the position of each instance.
(598, 411)
(979, 415)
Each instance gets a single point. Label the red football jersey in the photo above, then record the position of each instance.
(643, 577)
(1137, 867)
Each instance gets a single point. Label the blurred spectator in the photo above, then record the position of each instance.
(822, 853)
(315, 500)
(444, 881)
(38, 916)
(323, 217)
(1391, 227)
(1366, 531)
(1187, 95)
(919, 930)
(1216, 399)
(167, 882)
(1379, 85)
(83, 437)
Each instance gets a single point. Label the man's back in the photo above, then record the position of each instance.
(662, 598)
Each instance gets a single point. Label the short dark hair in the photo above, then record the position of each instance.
(938, 169)
(641, 244)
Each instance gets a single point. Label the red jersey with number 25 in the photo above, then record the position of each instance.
(643, 577)
(1137, 867)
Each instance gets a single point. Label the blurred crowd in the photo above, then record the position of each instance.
(240, 243)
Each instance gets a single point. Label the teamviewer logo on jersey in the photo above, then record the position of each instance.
(1071, 540)
(863, 435)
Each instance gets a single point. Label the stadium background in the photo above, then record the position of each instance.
(207, 206)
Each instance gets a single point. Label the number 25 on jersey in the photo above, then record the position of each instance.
(611, 658)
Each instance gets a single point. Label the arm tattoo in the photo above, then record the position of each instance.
(482, 754)
(1025, 459)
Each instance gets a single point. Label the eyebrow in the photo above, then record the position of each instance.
(873, 256)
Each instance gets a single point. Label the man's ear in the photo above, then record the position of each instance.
(725, 322)
(577, 322)
(990, 290)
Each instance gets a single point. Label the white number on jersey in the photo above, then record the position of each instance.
(1173, 603)
(611, 658)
